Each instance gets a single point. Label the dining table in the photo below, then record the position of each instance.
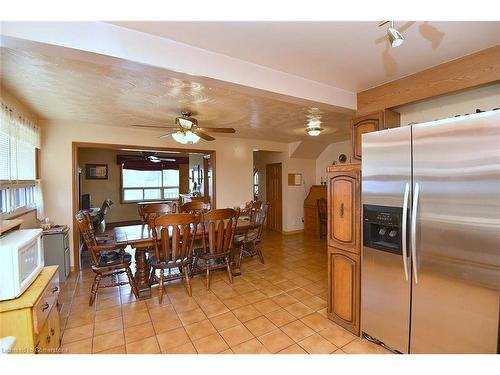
(139, 237)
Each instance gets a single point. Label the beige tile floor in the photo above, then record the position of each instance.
(278, 307)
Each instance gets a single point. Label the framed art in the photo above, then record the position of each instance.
(96, 171)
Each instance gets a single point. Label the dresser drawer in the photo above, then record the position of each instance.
(45, 303)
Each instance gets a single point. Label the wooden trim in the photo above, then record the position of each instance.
(473, 70)
(75, 201)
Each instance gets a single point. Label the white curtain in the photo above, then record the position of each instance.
(40, 214)
(18, 127)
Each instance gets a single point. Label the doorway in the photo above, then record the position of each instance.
(134, 175)
(274, 197)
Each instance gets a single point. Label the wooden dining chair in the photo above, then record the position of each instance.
(108, 260)
(148, 212)
(173, 237)
(250, 242)
(322, 216)
(251, 209)
(99, 222)
(218, 227)
(195, 207)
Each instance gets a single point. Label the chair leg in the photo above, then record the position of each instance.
(240, 258)
(229, 272)
(207, 263)
(160, 286)
(131, 281)
(188, 281)
(259, 252)
(95, 286)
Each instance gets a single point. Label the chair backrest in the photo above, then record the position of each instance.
(195, 207)
(174, 236)
(84, 221)
(153, 210)
(218, 230)
(106, 205)
(322, 210)
(260, 217)
(254, 206)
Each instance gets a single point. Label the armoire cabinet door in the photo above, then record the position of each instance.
(361, 126)
(344, 291)
(343, 210)
(371, 123)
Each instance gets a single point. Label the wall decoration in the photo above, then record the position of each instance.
(96, 171)
(294, 179)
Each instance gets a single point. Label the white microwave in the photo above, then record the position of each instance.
(21, 260)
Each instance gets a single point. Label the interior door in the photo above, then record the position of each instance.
(456, 258)
(274, 197)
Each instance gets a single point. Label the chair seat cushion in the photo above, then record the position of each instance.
(110, 258)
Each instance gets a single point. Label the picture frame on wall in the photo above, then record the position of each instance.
(96, 171)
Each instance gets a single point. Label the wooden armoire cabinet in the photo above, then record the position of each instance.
(370, 123)
(344, 245)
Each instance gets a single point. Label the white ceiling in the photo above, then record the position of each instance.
(122, 93)
(350, 55)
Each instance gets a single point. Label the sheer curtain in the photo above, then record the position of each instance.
(19, 137)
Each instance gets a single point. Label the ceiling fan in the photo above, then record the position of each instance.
(150, 156)
(186, 130)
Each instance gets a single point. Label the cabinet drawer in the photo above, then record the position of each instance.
(45, 303)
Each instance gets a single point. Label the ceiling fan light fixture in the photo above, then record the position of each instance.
(191, 137)
(187, 137)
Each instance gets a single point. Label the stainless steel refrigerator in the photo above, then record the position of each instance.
(431, 236)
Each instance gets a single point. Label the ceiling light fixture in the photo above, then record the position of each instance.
(185, 137)
(395, 37)
(313, 127)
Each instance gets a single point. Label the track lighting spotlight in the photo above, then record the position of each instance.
(395, 37)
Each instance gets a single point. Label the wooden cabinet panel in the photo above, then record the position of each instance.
(33, 318)
(344, 293)
(371, 123)
(343, 207)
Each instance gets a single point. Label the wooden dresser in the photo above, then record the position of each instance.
(33, 318)
(344, 245)
(311, 218)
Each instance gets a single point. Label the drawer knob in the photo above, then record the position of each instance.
(52, 331)
(45, 306)
(55, 289)
(47, 339)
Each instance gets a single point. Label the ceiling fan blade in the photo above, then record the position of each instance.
(154, 127)
(165, 159)
(166, 135)
(205, 136)
(217, 130)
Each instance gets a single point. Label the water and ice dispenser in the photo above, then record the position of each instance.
(382, 228)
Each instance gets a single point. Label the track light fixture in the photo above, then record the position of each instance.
(395, 37)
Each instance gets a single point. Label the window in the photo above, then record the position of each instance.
(139, 185)
(256, 184)
(18, 141)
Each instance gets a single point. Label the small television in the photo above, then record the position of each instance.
(85, 202)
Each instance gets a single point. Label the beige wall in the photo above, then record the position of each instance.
(293, 196)
(329, 155)
(234, 162)
(484, 98)
(110, 188)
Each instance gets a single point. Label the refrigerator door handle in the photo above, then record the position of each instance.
(404, 229)
(414, 232)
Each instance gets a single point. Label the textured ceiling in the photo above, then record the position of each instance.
(352, 55)
(126, 93)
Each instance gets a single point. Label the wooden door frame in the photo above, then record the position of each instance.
(110, 146)
(280, 183)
